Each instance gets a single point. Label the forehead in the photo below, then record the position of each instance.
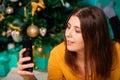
(74, 21)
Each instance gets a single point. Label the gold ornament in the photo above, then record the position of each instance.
(9, 10)
(32, 31)
(36, 5)
(2, 17)
(39, 49)
(4, 33)
(38, 9)
(20, 3)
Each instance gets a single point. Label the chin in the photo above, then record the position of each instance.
(70, 49)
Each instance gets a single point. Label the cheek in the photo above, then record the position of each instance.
(79, 38)
(76, 47)
(79, 41)
(78, 44)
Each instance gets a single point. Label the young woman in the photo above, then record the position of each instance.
(88, 53)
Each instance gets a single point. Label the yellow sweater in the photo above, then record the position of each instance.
(58, 70)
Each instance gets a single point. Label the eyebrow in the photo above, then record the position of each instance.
(74, 26)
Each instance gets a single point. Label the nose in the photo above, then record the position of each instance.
(68, 33)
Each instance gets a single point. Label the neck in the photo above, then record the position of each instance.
(81, 63)
(80, 56)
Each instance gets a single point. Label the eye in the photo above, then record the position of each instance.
(78, 30)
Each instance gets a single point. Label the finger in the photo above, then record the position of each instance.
(24, 66)
(21, 52)
(24, 60)
(24, 73)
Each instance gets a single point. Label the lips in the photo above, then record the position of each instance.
(69, 42)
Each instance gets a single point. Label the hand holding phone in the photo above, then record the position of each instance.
(27, 43)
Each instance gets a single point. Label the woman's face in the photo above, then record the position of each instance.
(74, 39)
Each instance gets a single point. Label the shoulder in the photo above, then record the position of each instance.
(116, 60)
(58, 51)
(57, 54)
(116, 52)
(117, 46)
(59, 48)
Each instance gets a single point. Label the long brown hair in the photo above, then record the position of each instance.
(97, 41)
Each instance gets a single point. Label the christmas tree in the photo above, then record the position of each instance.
(43, 21)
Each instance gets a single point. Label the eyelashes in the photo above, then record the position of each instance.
(76, 29)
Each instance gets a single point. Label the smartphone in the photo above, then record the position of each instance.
(27, 43)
